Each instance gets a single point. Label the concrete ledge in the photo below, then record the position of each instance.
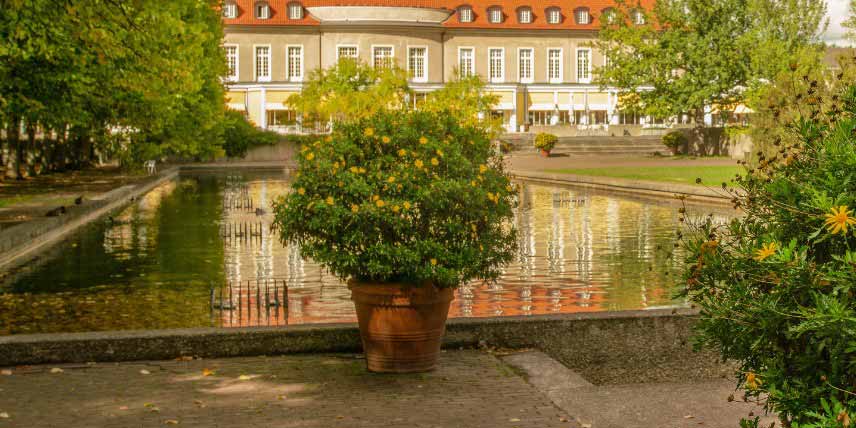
(698, 194)
(642, 345)
(22, 241)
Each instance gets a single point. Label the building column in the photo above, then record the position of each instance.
(612, 111)
(571, 111)
(263, 110)
(585, 118)
(512, 120)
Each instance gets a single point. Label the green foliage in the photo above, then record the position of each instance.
(239, 135)
(777, 287)
(402, 196)
(147, 69)
(545, 141)
(675, 141)
(467, 99)
(350, 90)
(696, 53)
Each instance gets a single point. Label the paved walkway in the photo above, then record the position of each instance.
(470, 389)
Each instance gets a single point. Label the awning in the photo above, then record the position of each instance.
(237, 106)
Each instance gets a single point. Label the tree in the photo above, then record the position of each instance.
(351, 90)
(467, 99)
(696, 54)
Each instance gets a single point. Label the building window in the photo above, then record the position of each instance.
(262, 10)
(232, 62)
(554, 15)
(346, 52)
(584, 65)
(466, 62)
(496, 63)
(609, 14)
(382, 56)
(554, 65)
(295, 63)
(638, 17)
(230, 10)
(525, 60)
(417, 59)
(281, 118)
(295, 10)
(494, 14)
(524, 15)
(263, 63)
(582, 16)
(465, 14)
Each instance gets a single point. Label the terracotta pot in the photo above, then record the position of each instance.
(545, 153)
(401, 325)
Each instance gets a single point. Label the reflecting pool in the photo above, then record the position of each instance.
(199, 252)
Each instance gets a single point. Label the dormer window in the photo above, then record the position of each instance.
(554, 15)
(609, 15)
(230, 10)
(494, 14)
(262, 10)
(524, 15)
(295, 10)
(638, 17)
(582, 16)
(465, 14)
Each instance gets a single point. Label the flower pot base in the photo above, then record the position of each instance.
(401, 326)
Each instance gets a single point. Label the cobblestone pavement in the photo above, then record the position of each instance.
(470, 389)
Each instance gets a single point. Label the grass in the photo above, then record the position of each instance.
(711, 175)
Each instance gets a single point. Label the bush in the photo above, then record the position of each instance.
(777, 287)
(239, 135)
(402, 196)
(545, 141)
(675, 141)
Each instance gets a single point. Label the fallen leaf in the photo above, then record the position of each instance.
(123, 407)
(689, 417)
(280, 397)
(4, 415)
(244, 377)
(145, 372)
(184, 358)
(208, 372)
(170, 422)
(514, 420)
(57, 370)
(6, 372)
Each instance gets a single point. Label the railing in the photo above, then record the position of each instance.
(259, 302)
(298, 129)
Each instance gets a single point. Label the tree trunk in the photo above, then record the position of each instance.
(696, 142)
(32, 167)
(15, 145)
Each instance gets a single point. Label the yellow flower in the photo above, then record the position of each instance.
(303, 148)
(435, 162)
(418, 163)
(423, 140)
(385, 139)
(362, 170)
(395, 208)
(329, 200)
(433, 262)
(329, 139)
(380, 203)
(752, 381)
(473, 183)
(375, 197)
(766, 250)
(473, 225)
(406, 205)
(355, 208)
(482, 168)
(709, 246)
(301, 191)
(310, 156)
(509, 188)
(355, 170)
(368, 132)
(840, 219)
(402, 152)
(439, 153)
(391, 179)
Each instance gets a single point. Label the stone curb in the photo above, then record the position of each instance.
(580, 331)
(23, 240)
(699, 194)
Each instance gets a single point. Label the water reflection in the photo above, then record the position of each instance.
(201, 252)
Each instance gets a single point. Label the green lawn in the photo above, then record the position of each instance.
(710, 175)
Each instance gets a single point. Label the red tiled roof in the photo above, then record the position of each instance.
(279, 12)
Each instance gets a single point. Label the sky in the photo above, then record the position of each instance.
(837, 11)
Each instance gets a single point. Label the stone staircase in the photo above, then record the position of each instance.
(579, 146)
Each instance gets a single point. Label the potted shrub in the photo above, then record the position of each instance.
(545, 142)
(675, 141)
(404, 206)
(777, 287)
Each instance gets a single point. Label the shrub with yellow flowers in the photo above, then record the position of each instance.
(402, 197)
(777, 286)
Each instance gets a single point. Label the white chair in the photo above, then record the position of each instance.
(149, 165)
